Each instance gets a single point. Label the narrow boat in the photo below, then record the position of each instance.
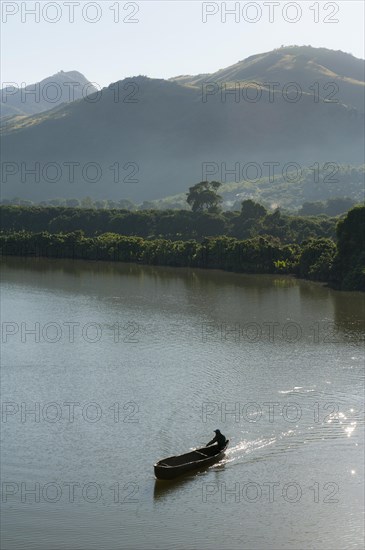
(174, 466)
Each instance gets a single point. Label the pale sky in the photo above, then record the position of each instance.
(168, 37)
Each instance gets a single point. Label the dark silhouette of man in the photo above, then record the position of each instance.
(220, 439)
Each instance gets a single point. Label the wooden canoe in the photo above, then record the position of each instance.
(174, 466)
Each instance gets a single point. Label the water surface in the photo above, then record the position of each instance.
(127, 364)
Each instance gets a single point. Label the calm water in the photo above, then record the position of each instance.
(127, 364)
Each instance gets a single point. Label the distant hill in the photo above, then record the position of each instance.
(160, 133)
(62, 87)
(286, 194)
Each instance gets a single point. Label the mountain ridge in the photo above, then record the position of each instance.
(304, 64)
(39, 97)
(161, 133)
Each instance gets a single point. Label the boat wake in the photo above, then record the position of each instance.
(246, 447)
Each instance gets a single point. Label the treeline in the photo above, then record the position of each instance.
(341, 265)
(258, 255)
(251, 221)
(86, 202)
(331, 207)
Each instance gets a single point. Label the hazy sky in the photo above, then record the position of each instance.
(167, 38)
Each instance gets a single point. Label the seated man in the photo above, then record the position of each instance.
(220, 439)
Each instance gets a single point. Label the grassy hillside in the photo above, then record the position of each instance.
(301, 64)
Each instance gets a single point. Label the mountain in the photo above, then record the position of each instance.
(339, 76)
(145, 138)
(62, 87)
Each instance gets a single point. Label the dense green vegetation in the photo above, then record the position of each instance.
(258, 255)
(349, 263)
(253, 220)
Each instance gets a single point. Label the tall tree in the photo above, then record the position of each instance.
(203, 196)
(252, 210)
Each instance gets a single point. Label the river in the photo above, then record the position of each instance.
(108, 367)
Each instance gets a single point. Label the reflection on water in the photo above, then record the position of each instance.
(219, 285)
(162, 488)
(274, 362)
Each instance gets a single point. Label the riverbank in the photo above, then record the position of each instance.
(314, 260)
(269, 243)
